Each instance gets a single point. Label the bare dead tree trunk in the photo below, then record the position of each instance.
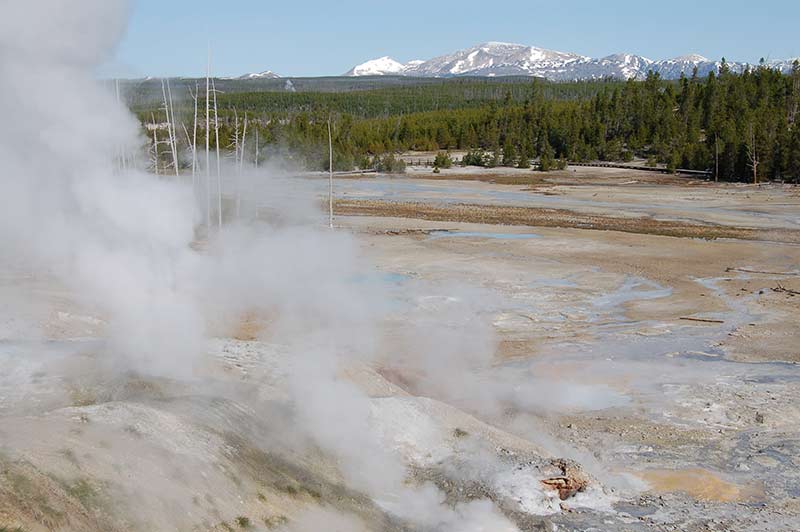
(123, 159)
(174, 131)
(155, 143)
(195, 96)
(170, 130)
(244, 140)
(330, 175)
(752, 154)
(219, 167)
(193, 148)
(235, 143)
(241, 170)
(716, 157)
(794, 104)
(208, 141)
(188, 136)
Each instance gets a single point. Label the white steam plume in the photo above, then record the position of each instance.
(122, 242)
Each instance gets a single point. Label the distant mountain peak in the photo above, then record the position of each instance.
(691, 58)
(500, 43)
(267, 74)
(497, 45)
(381, 66)
(627, 58)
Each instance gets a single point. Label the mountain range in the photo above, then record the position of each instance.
(505, 59)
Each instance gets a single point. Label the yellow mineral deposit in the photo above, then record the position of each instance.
(700, 484)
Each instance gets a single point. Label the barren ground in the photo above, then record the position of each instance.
(678, 296)
(652, 321)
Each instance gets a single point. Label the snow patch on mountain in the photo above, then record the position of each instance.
(621, 66)
(383, 66)
(267, 74)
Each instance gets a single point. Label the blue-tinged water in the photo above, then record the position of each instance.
(469, 234)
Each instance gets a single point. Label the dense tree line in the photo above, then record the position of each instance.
(446, 95)
(426, 95)
(738, 126)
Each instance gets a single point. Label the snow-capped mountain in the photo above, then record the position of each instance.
(685, 64)
(784, 66)
(498, 59)
(504, 59)
(383, 66)
(622, 66)
(267, 74)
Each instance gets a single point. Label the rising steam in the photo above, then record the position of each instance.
(125, 244)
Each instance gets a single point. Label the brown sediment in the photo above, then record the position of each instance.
(574, 176)
(561, 218)
(249, 328)
(699, 484)
(511, 349)
(398, 377)
(571, 481)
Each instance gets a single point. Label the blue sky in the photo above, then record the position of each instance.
(314, 37)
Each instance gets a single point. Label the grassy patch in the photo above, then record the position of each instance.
(29, 496)
(139, 387)
(133, 431)
(70, 456)
(274, 521)
(84, 492)
(276, 472)
(288, 489)
(82, 397)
